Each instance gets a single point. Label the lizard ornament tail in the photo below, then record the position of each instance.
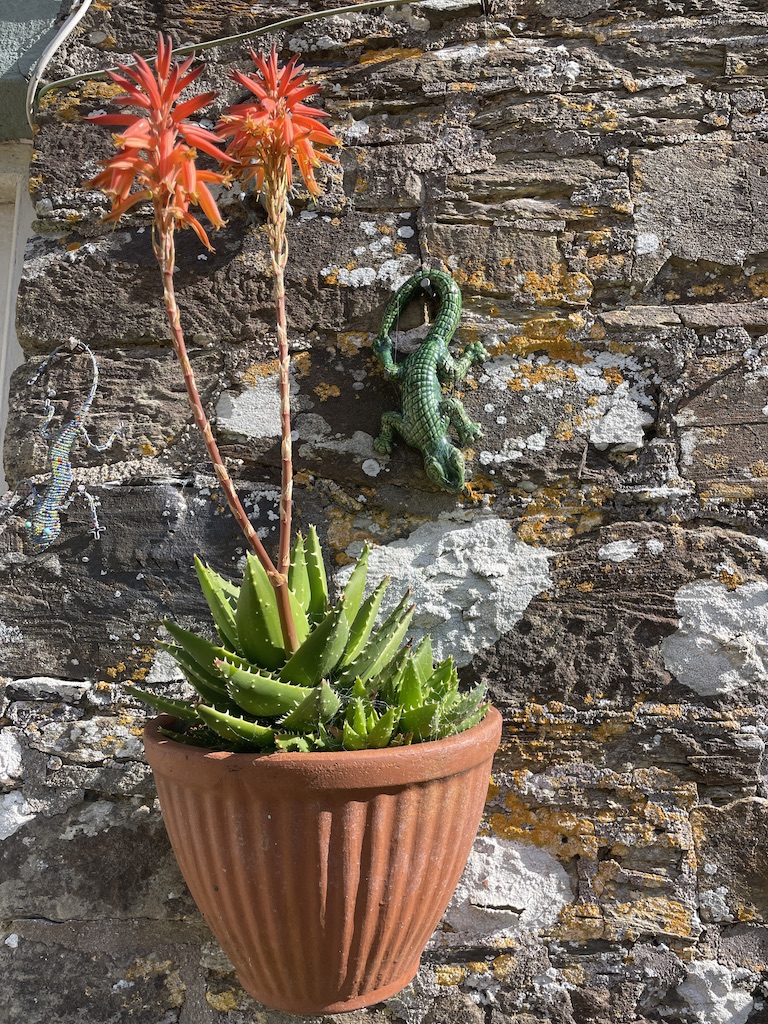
(43, 526)
(427, 414)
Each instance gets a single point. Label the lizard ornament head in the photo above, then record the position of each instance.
(444, 466)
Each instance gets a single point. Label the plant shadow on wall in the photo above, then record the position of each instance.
(316, 736)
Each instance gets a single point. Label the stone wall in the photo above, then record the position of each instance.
(593, 175)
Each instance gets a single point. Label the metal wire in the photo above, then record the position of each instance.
(34, 96)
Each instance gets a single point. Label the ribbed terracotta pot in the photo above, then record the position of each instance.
(324, 875)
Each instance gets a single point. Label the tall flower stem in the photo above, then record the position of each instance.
(165, 251)
(276, 201)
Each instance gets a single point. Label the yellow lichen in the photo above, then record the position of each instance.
(325, 391)
(258, 371)
(450, 974)
(391, 53)
(222, 1002)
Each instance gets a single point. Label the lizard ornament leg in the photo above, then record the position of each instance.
(426, 416)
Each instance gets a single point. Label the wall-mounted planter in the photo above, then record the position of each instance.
(324, 875)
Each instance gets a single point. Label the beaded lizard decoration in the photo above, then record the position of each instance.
(44, 524)
(427, 414)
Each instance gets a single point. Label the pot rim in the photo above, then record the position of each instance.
(357, 769)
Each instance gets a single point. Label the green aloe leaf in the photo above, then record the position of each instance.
(319, 706)
(382, 647)
(355, 588)
(257, 618)
(318, 583)
(320, 652)
(260, 694)
(423, 660)
(362, 626)
(218, 602)
(236, 730)
(181, 709)
(381, 733)
(298, 580)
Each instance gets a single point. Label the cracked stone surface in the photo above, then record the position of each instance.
(592, 176)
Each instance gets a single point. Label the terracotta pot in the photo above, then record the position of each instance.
(324, 875)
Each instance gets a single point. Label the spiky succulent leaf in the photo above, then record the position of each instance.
(181, 709)
(219, 603)
(355, 588)
(257, 618)
(298, 580)
(320, 653)
(362, 626)
(260, 694)
(318, 707)
(318, 582)
(236, 730)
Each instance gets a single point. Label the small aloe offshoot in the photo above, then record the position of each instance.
(351, 684)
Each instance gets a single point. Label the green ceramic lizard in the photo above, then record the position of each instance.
(427, 414)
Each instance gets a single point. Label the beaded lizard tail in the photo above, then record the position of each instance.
(44, 523)
(426, 414)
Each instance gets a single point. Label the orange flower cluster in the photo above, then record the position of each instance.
(157, 150)
(268, 134)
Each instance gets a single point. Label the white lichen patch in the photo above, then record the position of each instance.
(9, 634)
(14, 813)
(91, 741)
(101, 815)
(508, 888)
(254, 412)
(712, 993)
(621, 423)
(470, 583)
(721, 644)
(618, 550)
(317, 437)
(163, 669)
(11, 764)
(606, 398)
(50, 688)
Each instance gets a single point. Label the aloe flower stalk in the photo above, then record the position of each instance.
(155, 162)
(266, 136)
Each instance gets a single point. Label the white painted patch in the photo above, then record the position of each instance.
(618, 550)
(470, 583)
(254, 412)
(14, 813)
(47, 688)
(12, 941)
(622, 423)
(507, 889)
(721, 644)
(710, 991)
(646, 243)
(11, 765)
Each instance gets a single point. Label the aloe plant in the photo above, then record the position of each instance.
(353, 683)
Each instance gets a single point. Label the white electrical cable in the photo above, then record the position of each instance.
(74, 18)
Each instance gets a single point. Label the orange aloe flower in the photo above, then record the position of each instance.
(270, 132)
(157, 148)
